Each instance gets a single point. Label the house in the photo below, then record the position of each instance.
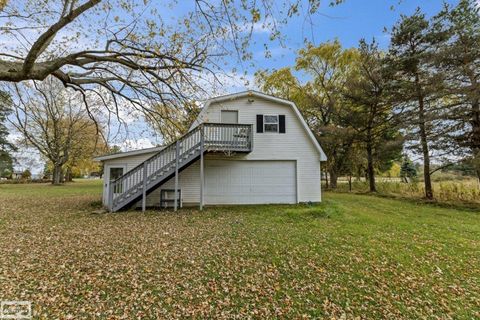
(17, 175)
(244, 148)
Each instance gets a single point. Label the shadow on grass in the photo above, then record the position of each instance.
(324, 210)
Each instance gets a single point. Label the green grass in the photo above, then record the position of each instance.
(78, 187)
(351, 256)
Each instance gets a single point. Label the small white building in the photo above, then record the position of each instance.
(244, 148)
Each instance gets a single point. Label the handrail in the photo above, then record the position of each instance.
(217, 137)
(156, 154)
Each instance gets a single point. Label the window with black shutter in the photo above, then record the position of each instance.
(270, 123)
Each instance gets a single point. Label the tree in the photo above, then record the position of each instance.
(347, 104)
(26, 174)
(458, 58)
(6, 165)
(173, 123)
(129, 51)
(407, 170)
(414, 88)
(329, 67)
(85, 146)
(370, 113)
(282, 83)
(53, 120)
(6, 147)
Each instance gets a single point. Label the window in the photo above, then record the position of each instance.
(115, 173)
(270, 123)
(229, 116)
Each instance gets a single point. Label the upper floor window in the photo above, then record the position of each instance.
(229, 116)
(270, 123)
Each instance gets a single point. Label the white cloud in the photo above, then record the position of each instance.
(224, 83)
(266, 26)
(135, 144)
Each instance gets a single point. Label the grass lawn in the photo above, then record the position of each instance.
(352, 256)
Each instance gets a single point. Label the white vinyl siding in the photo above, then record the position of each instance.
(189, 183)
(295, 144)
(128, 162)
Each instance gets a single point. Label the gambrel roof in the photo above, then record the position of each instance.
(253, 94)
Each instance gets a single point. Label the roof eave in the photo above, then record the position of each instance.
(127, 154)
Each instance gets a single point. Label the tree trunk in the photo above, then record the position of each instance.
(478, 179)
(426, 154)
(475, 122)
(68, 175)
(370, 170)
(326, 179)
(57, 174)
(333, 179)
(424, 142)
(475, 140)
(350, 183)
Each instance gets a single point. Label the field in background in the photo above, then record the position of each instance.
(461, 192)
(352, 256)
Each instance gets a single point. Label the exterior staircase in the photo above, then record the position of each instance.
(158, 169)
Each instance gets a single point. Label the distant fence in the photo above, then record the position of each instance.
(377, 179)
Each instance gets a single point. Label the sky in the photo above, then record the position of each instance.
(348, 22)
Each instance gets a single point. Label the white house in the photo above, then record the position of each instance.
(244, 148)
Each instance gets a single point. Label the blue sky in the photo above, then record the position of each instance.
(349, 22)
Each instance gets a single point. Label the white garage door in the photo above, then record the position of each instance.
(250, 182)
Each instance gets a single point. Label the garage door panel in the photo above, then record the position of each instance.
(250, 182)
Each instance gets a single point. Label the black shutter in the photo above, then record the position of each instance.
(259, 123)
(281, 123)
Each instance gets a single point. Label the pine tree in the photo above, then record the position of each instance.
(369, 112)
(458, 58)
(414, 87)
(407, 170)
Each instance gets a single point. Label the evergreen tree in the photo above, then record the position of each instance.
(458, 58)
(370, 114)
(408, 170)
(414, 87)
